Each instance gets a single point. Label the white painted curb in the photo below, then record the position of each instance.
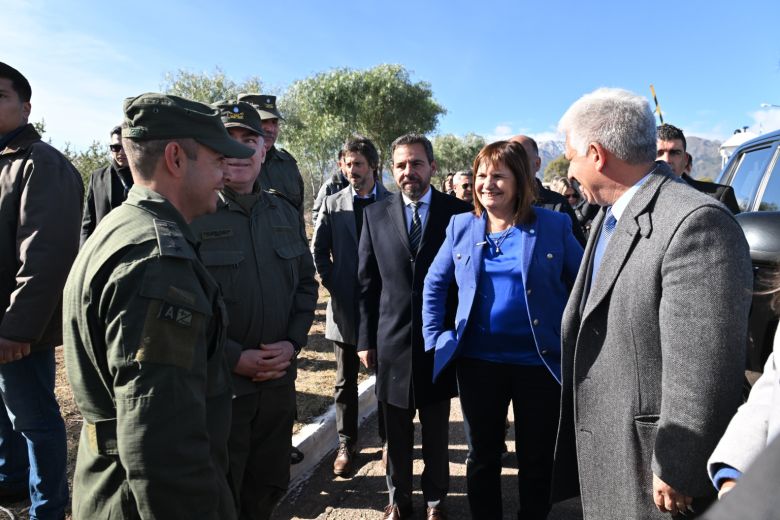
(319, 438)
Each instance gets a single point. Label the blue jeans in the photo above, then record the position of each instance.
(33, 448)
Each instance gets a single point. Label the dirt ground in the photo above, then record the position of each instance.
(316, 377)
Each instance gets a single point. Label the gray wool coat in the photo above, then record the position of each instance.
(334, 246)
(653, 353)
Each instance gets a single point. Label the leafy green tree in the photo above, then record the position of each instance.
(558, 167)
(87, 161)
(380, 103)
(208, 87)
(455, 153)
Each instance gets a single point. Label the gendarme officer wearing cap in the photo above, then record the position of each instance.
(255, 248)
(145, 326)
(280, 170)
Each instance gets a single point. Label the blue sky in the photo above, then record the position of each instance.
(498, 67)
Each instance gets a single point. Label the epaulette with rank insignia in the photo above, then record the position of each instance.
(284, 154)
(171, 240)
(281, 195)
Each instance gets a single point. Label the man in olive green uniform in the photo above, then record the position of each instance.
(255, 248)
(145, 326)
(280, 170)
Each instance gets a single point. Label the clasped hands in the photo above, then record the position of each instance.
(268, 361)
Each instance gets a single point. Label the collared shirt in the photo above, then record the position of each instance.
(422, 209)
(356, 196)
(616, 210)
(621, 204)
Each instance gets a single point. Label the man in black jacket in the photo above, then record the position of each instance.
(671, 148)
(548, 199)
(108, 186)
(400, 237)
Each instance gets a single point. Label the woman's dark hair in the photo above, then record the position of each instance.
(514, 157)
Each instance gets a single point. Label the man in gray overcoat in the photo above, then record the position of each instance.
(335, 249)
(655, 329)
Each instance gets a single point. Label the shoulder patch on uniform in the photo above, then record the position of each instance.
(171, 240)
(175, 314)
(216, 233)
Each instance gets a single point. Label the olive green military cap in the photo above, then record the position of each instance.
(239, 114)
(265, 105)
(163, 116)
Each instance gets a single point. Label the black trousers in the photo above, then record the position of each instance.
(346, 394)
(485, 392)
(259, 449)
(435, 429)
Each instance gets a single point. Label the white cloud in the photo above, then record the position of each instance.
(501, 132)
(547, 136)
(504, 131)
(766, 120)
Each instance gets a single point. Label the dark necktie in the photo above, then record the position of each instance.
(415, 231)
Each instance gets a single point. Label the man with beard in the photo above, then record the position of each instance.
(401, 236)
(255, 248)
(335, 247)
(108, 186)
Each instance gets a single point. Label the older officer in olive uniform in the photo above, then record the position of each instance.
(255, 248)
(280, 170)
(145, 327)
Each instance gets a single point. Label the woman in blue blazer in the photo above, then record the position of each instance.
(514, 266)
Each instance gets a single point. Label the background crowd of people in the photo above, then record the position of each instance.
(610, 310)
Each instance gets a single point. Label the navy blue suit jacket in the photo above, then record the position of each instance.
(550, 263)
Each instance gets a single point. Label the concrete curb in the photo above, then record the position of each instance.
(319, 438)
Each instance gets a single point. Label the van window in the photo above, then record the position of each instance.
(748, 175)
(770, 200)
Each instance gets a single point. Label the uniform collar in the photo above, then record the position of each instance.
(154, 203)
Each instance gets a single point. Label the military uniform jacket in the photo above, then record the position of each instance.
(280, 173)
(144, 329)
(261, 261)
(40, 211)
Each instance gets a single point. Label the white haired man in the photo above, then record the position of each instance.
(654, 331)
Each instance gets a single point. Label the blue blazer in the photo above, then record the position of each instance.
(550, 263)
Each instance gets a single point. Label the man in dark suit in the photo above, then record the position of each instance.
(335, 246)
(545, 198)
(401, 236)
(108, 186)
(671, 147)
(653, 335)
